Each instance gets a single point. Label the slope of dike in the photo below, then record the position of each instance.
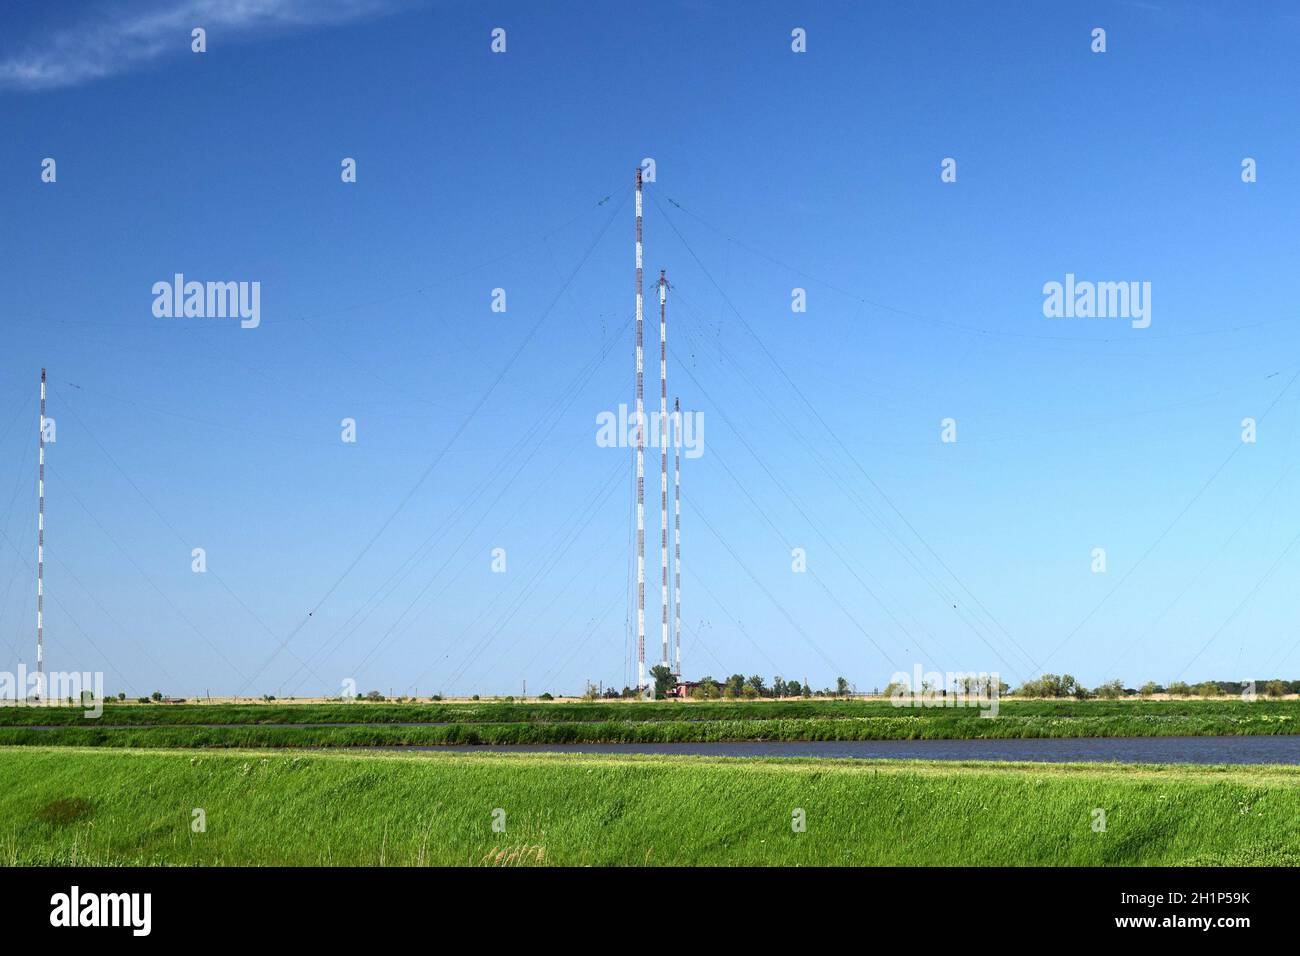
(100, 807)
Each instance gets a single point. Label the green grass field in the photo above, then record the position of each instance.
(64, 806)
(380, 724)
(717, 731)
(493, 712)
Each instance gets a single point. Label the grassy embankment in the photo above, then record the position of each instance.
(165, 726)
(502, 713)
(64, 806)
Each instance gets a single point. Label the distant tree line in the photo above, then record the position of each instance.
(1064, 685)
(735, 687)
(740, 687)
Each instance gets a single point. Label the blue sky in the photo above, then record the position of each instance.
(476, 430)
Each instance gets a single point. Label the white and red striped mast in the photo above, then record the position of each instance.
(677, 528)
(640, 454)
(663, 460)
(40, 551)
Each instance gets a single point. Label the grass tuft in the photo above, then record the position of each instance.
(64, 811)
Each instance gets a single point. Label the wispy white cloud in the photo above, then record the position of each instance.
(117, 38)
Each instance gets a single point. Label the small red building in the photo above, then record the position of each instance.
(684, 688)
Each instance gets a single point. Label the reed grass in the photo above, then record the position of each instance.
(281, 808)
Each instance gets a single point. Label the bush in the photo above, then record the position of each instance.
(708, 689)
(1111, 690)
(1053, 685)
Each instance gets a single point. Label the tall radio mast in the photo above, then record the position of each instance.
(663, 461)
(640, 454)
(40, 552)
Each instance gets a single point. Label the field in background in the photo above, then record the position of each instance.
(356, 725)
(579, 711)
(139, 807)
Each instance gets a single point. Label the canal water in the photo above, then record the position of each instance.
(1281, 749)
(1194, 750)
